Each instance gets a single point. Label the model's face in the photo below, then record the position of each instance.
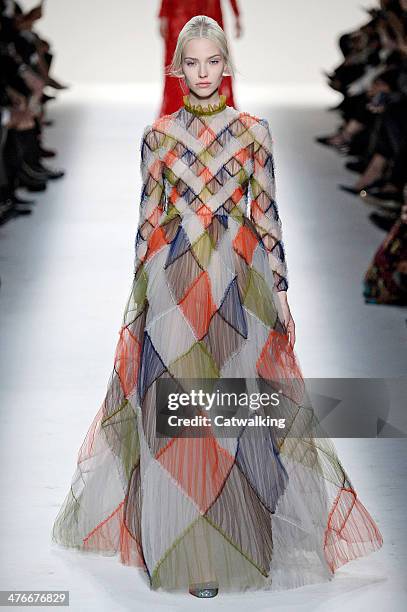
(203, 66)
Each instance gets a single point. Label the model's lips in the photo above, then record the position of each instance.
(203, 84)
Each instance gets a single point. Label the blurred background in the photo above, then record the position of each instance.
(79, 82)
(125, 35)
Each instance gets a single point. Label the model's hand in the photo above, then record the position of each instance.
(163, 26)
(238, 28)
(290, 327)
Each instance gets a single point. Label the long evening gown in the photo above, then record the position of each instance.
(178, 12)
(203, 304)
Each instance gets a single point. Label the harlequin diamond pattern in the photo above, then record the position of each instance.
(247, 512)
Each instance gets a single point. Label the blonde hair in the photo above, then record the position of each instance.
(200, 26)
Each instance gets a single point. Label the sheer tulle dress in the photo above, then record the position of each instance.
(246, 513)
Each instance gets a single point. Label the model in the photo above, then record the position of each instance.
(173, 15)
(209, 301)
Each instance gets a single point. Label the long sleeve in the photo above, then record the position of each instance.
(235, 7)
(165, 8)
(263, 206)
(152, 200)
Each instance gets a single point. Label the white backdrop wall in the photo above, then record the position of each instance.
(284, 41)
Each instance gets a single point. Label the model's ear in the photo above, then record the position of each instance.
(226, 71)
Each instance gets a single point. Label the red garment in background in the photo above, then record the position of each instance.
(178, 13)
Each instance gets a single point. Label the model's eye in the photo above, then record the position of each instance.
(214, 61)
(189, 63)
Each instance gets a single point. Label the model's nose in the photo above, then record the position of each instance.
(202, 72)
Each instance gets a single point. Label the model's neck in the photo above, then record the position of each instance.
(213, 99)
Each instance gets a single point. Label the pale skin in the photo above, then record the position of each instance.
(202, 60)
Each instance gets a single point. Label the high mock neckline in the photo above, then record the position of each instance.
(210, 109)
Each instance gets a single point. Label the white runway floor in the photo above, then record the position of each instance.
(66, 272)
